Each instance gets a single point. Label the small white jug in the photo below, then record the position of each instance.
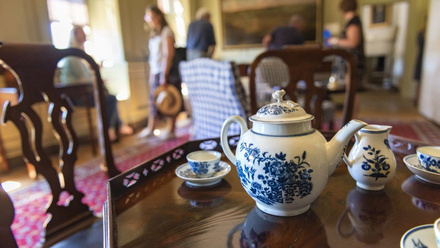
(371, 161)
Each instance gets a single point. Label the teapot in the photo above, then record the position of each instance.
(282, 162)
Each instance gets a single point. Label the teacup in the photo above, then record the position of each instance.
(204, 163)
(429, 158)
(437, 231)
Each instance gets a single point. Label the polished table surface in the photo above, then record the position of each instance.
(149, 206)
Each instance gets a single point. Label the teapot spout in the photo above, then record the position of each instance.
(336, 146)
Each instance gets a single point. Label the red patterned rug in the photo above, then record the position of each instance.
(30, 201)
(418, 130)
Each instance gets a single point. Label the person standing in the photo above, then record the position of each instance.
(352, 36)
(285, 35)
(419, 63)
(200, 41)
(74, 71)
(162, 52)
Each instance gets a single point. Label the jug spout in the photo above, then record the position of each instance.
(336, 146)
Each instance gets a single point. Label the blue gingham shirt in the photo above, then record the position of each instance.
(215, 93)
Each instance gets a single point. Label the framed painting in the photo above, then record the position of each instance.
(380, 15)
(245, 22)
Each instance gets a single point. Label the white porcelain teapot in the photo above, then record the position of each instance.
(283, 163)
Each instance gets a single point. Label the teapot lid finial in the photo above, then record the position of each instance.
(281, 111)
(278, 95)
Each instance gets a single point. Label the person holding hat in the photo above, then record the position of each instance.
(165, 86)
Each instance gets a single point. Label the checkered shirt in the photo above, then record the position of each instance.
(215, 93)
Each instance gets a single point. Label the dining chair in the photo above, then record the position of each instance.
(271, 72)
(304, 66)
(82, 91)
(215, 93)
(34, 66)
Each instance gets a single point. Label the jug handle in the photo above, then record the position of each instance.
(224, 135)
(338, 225)
(346, 160)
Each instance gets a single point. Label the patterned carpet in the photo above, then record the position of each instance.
(30, 202)
(417, 130)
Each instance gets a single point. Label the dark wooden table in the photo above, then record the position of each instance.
(149, 206)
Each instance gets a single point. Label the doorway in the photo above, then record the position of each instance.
(385, 28)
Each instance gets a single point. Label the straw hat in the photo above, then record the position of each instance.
(168, 100)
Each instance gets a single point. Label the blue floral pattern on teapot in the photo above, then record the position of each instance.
(282, 180)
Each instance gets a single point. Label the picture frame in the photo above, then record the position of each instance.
(380, 15)
(245, 22)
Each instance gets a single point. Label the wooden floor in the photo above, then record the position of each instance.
(375, 103)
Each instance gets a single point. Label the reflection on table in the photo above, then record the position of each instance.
(422, 194)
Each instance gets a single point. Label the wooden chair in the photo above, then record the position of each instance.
(304, 63)
(82, 91)
(215, 93)
(34, 66)
(269, 73)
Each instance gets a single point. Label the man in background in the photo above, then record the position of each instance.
(285, 35)
(200, 39)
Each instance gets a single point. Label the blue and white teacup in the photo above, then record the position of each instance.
(429, 158)
(204, 163)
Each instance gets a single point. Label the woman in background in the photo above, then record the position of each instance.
(74, 71)
(162, 51)
(351, 37)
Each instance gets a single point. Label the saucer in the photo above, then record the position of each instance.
(419, 236)
(184, 171)
(412, 163)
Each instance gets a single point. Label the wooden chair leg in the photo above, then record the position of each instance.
(4, 166)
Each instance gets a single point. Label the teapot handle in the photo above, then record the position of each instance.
(338, 225)
(224, 135)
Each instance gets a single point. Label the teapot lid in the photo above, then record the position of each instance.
(281, 111)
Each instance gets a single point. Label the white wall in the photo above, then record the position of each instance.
(387, 40)
(429, 100)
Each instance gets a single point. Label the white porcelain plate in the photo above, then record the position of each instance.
(412, 163)
(184, 171)
(419, 236)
